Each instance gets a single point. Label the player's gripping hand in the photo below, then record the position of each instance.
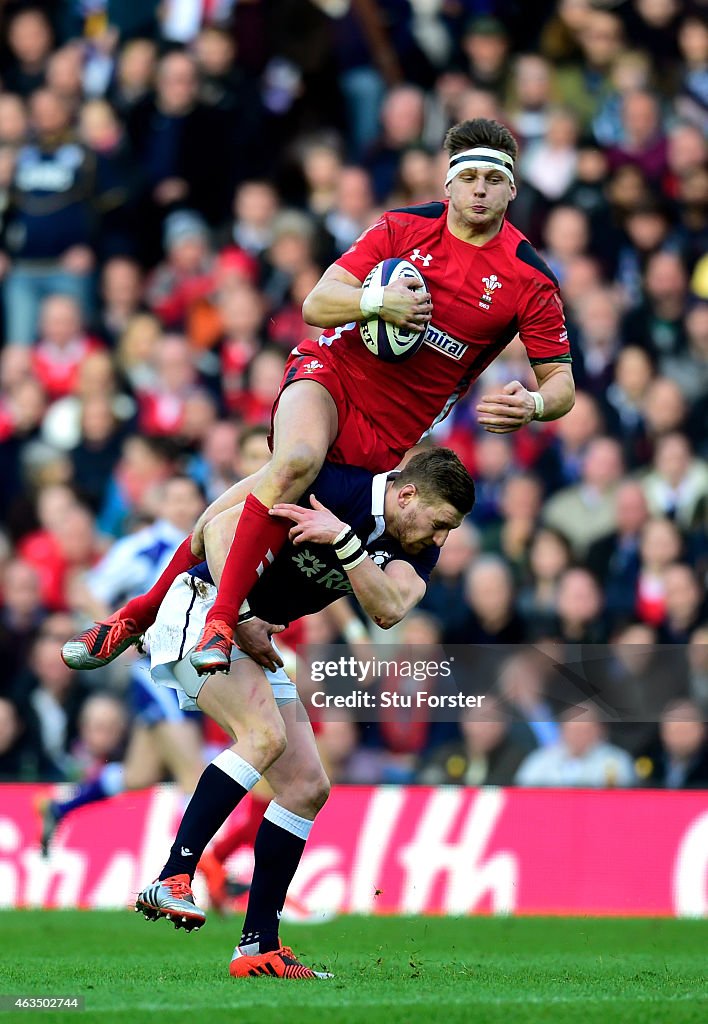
(506, 412)
(317, 524)
(406, 304)
(253, 637)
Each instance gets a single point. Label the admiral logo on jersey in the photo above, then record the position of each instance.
(444, 343)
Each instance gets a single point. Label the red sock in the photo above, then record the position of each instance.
(243, 834)
(144, 607)
(258, 539)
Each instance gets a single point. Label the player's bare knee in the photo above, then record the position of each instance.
(309, 797)
(208, 534)
(213, 530)
(319, 793)
(270, 742)
(296, 468)
(277, 741)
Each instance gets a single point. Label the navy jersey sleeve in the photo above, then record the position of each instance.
(424, 563)
(344, 490)
(387, 550)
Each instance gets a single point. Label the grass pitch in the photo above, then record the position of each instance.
(388, 970)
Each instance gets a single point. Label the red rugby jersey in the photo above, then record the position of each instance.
(482, 297)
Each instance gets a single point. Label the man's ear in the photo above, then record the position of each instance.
(513, 193)
(405, 494)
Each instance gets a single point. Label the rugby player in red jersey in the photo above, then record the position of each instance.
(339, 402)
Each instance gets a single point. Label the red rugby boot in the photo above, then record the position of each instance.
(280, 963)
(213, 650)
(100, 644)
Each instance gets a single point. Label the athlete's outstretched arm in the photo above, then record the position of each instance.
(514, 406)
(557, 387)
(386, 595)
(335, 301)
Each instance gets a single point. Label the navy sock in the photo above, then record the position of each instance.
(222, 784)
(108, 783)
(279, 846)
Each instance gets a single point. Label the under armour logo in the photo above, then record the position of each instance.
(186, 852)
(416, 255)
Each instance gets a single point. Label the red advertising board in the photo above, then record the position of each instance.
(402, 850)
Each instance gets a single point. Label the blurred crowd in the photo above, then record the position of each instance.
(175, 177)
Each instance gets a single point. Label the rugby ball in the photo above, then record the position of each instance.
(386, 341)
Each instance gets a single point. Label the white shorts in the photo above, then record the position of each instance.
(175, 632)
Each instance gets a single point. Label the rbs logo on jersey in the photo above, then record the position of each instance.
(312, 567)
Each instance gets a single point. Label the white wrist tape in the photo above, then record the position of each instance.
(539, 403)
(342, 534)
(349, 549)
(371, 301)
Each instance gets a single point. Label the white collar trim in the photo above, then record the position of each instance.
(378, 494)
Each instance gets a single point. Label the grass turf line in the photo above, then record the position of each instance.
(389, 970)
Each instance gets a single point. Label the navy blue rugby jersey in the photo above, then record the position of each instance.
(305, 578)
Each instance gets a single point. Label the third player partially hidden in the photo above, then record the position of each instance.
(339, 402)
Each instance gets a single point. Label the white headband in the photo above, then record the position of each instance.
(480, 157)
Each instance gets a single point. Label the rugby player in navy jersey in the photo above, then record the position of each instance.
(377, 536)
(339, 402)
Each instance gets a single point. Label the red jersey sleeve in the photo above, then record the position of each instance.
(371, 247)
(542, 323)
